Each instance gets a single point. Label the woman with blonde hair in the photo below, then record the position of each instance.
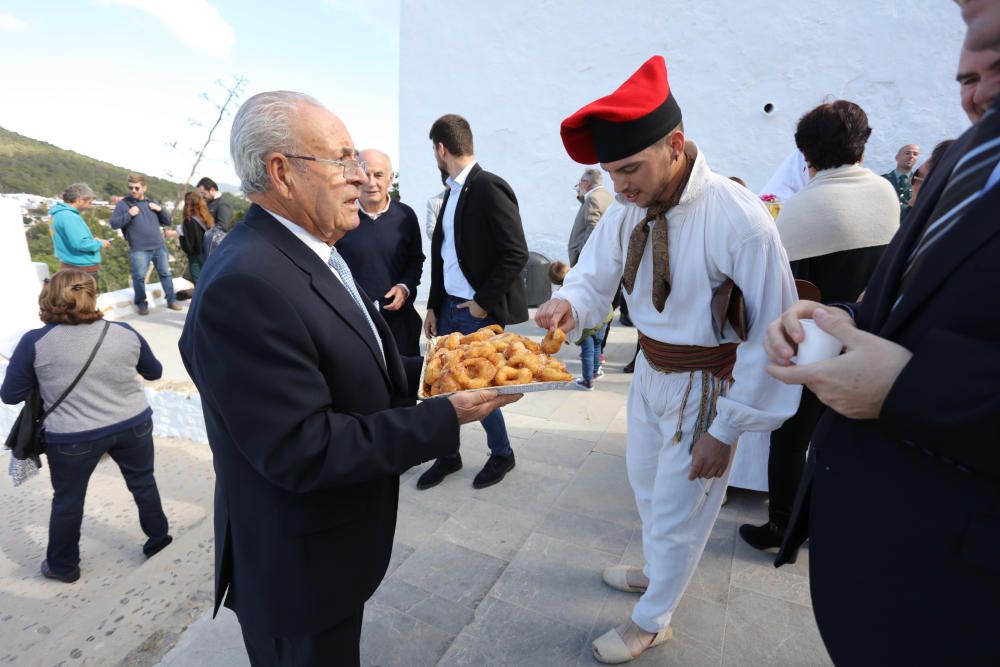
(85, 370)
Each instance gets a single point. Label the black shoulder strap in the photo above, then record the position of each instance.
(93, 353)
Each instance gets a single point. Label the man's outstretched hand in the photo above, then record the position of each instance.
(474, 406)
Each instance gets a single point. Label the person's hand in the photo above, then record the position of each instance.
(153, 206)
(134, 211)
(104, 243)
(170, 233)
(474, 406)
(785, 333)
(430, 324)
(555, 314)
(474, 309)
(398, 294)
(856, 383)
(709, 457)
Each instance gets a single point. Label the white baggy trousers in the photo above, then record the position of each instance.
(677, 514)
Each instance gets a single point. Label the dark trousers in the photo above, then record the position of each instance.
(338, 646)
(787, 458)
(451, 318)
(406, 329)
(70, 467)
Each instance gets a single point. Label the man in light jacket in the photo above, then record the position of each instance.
(594, 201)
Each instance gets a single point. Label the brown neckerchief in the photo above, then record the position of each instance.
(661, 246)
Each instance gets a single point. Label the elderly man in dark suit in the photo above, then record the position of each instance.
(477, 254)
(902, 492)
(308, 405)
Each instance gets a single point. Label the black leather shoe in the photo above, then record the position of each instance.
(152, 549)
(496, 469)
(65, 578)
(629, 367)
(144, 309)
(768, 536)
(437, 472)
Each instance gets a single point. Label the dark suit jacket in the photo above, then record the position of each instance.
(490, 244)
(306, 448)
(904, 510)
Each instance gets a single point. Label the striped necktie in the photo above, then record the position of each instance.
(965, 186)
(340, 266)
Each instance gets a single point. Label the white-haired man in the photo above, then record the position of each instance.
(304, 395)
(594, 201)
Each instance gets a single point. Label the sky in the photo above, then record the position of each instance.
(124, 81)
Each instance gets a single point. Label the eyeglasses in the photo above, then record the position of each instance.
(350, 168)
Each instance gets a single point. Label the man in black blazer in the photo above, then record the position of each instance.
(901, 499)
(477, 254)
(308, 406)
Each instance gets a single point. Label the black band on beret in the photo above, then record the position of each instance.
(614, 141)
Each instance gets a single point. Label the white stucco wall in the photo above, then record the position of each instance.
(516, 69)
(18, 279)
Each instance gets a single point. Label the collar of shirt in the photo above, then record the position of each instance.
(376, 214)
(700, 174)
(900, 176)
(321, 249)
(457, 182)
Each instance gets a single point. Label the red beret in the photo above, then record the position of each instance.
(637, 115)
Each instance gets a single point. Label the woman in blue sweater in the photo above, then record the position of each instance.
(106, 412)
(75, 245)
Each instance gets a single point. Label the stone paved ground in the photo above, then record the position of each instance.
(508, 575)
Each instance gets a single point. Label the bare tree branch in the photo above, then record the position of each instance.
(233, 93)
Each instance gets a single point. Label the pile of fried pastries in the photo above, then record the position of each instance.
(491, 358)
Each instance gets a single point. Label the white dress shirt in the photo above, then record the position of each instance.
(455, 282)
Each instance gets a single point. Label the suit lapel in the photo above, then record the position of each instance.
(460, 208)
(974, 229)
(888, 291)
(321, 278)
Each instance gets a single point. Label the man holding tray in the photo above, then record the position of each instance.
(308, 404)
(674, 235)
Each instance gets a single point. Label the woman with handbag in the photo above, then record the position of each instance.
(85, 370)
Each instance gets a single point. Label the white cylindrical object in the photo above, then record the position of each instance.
(818, 345)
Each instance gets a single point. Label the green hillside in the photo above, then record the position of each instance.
(29, 165)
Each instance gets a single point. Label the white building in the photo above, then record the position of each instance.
(516, 69)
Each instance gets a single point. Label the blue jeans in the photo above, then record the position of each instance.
(451, 318)
(140, 262)
(70, 467)
(590, 355)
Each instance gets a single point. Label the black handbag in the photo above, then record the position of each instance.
(26, 439)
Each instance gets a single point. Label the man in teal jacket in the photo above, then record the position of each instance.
(74, 243)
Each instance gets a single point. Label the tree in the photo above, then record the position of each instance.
(232, 95)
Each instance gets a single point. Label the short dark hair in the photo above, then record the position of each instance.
(454, 132)
(207, 183)
(833, 134)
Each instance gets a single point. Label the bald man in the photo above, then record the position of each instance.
(902, 176)
(385, 252)
(979, 80)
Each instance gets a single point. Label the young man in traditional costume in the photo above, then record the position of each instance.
(677, 235)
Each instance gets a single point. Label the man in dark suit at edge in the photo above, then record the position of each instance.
(901, 499)
(477, 254)
(308, 405)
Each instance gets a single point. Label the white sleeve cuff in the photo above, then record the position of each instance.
(724, 432)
